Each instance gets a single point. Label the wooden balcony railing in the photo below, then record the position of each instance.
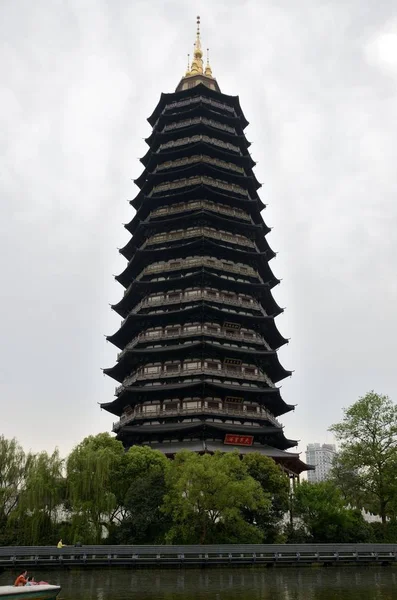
(184, 371)
(196, 121)
(198, 99)
(199, 158)
(194, 139)
(260, 413)
(199, 180)
(188, 263)
(222, 209)
(211, 233)
(165, 335)
(198, 295)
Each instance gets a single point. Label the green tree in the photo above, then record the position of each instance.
(141, 460)
(275, 485)
(42, 500)
(94, 475)
(206, 496)
(143, 521)
(366, 466)
(14, 464)
(325, 517)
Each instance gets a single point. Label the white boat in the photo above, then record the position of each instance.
(34, 592)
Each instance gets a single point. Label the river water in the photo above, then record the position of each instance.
(347, 583)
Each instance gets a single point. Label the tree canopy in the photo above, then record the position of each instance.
(94, 476)
(103, 494)
(366, 466)
(324, 516)
(275, 486)
(206, 496)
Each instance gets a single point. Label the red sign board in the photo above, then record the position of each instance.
(239, 440)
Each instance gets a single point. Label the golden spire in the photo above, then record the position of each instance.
(197, 62)
(208, 70)
(188, 66)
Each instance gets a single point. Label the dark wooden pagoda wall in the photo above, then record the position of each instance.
(198, 342)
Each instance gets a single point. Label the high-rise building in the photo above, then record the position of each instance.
(321, 457)
(198, 366)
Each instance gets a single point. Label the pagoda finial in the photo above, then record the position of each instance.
(188, 66)
(208, 70)
(197, 63)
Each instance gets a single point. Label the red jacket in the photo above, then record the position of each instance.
(20, 580)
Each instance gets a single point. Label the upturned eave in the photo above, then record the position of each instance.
(139, 289)
(167, 98)
(135, 323)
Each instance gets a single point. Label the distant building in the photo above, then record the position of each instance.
(321, 457)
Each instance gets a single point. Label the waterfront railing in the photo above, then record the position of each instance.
(200, 555)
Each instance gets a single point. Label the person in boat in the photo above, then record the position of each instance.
(60, 544)
(31, 581)
(21, 579)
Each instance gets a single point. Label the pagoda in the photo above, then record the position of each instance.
(198, 366)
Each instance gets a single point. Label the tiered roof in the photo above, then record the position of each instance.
(198, 342)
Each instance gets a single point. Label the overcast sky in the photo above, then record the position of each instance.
(317, 80)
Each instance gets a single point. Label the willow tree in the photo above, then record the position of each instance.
(42, 500)
(367, 463)
(94, 469)
(14, 464)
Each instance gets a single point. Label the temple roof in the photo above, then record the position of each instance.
(204, 215)
(135, 323)
(152, 159)
(200, 247)
(137, 356)
(199, 191)
(276, 435)
(290, 460)
(147, 181)
(199, 89)
(267, 396)
(140, 288)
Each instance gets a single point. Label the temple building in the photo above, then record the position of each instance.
(197, 366)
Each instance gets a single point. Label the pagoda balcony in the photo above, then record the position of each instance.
(196, 100)
(157, 156)
(198, 121)
(203, 330)
(246, 234)
(203, 231)
(199, 277)
(199, 294)
(194, 139)
(203, 127)
(182, 207)
(245, 183)
(203, 111)
(199, 158)
(236, 372)
(259, 414)
(200, 90)
(200, 190)
(199, 180)
(204, 312)
(204, 261)
(254, 264)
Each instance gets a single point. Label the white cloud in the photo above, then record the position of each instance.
(381, 50)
